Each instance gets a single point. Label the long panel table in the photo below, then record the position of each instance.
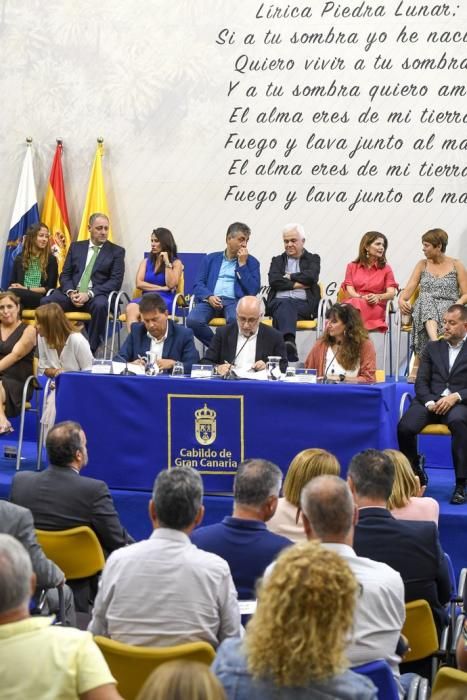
(136, 426)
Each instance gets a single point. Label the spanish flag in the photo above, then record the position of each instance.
(55, 212)
(96, 201)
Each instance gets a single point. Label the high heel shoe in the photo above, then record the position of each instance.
(6, 428)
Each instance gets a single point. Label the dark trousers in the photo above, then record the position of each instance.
(29, 300)
(286, 312)
(415, 419)
(203, 312)
(97, 307)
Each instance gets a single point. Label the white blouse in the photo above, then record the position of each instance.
(75, 356)
(332, 366)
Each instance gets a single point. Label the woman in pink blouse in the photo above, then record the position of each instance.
(369, 281)
(406, 501)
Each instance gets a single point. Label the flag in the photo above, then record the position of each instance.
(25, 213)
(96, 201)
(55, 212)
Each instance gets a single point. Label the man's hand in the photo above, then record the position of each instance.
(223, 369)
(165, 364)
(215, 302)
(79, 298)
(444, 404)
(259, 365)
(242, 255)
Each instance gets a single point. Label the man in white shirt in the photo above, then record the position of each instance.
(441, 396)
(165, 591)
(329, 514)
(246, 344)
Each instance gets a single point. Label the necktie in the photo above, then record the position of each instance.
(86, 276)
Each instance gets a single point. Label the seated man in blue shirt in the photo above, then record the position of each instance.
(243, 539)
(169, 342)
(223, 279)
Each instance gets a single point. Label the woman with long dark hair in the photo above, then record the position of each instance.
(35, 270)
(160, 272)
(344, 351)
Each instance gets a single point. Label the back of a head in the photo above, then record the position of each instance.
(305, 610)
(307, 465)
(62, 443)
(182, 680)
(15, 574)
(255, 481)
(177, 497)
(328, 506)
(372, 474)
(405, 483)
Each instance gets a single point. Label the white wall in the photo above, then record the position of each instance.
(150, 78)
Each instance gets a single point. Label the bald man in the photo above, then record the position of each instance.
(246, 344)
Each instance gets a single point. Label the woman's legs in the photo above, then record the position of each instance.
(5, 425)
(431, 329)
(132, 315)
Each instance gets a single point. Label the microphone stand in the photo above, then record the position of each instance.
(126, 371)
(229, 374)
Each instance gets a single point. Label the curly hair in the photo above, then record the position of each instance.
(168, 245)
(405, 483)
(30, 250)
(299, 631)
(367, 240)
(304, 467)
(348, 354)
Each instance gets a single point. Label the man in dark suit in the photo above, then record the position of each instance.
(441, 396)
(169, 342)
(60, 498)
(17, 522)
(294, 291)
(92, 270)
(410, 547)
(246, 344)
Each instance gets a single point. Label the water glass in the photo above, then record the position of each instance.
(178, 370)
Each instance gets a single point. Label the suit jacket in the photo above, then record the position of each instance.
(247, 277)
(178, 346)
(48, 282)
(224, 345)
(60, 498)
(413, 549)
(107, 273)
(434, 376)
(17, 522)
(309, 264)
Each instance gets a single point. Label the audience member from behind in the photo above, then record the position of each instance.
(60, 498)
(305, 466)
(35, 269)
(160, 272)
(441, 281)
(329, 514)
(37, 659)
(406, 501)
(243, 539)
(182, 680)
(165, 591)
(223, 279)
(17, 343)
(295, 642)
(168, 342)
(344, 351)
(61, 349)
(410, 547)
(369, 281)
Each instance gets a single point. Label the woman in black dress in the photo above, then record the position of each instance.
(35, 270)
(17, 343)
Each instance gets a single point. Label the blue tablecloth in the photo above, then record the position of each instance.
(136, 426)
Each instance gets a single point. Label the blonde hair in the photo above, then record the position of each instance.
(305, 611)
(304, 467)
(405, 482)
(187, 680)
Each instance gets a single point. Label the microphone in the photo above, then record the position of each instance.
(126, 371)
(325, 377)
(229, 374)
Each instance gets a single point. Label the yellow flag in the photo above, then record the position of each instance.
(96, 201)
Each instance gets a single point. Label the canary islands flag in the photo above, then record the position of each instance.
(96, 201)
(25, 213)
